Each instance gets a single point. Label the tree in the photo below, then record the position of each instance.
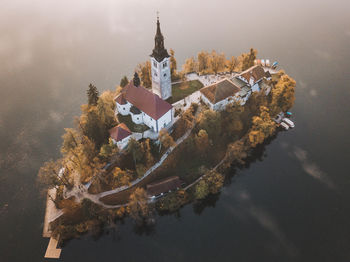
(190, 65)
(201, 190)
(236, 152)
(202, 140)
(136, 79)
(92, 93)
(50, 175)
(263, 127)
(145, 71)
(231, 64)
(282, 94)
(71, 140)
(165, 139)
(138, 206)
(246, 60)
(210, 121)
(124, 81)
(173, 63)
(135, 150)
(214, 181)
(216, 62)
(147, 153)
(108, 150)
(203, 61)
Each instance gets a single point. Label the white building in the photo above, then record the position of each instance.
(120, 135)
(144, 107)
(253, 76)
(161, 76)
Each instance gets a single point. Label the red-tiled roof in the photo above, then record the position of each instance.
(120, 99)
(257, 72)
(220, 90)
(119, 132)
(145, 100)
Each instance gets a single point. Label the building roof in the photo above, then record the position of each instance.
(145, 100)
(220, 90)
(238, 82)
(119, 132)
(135, 110)
(256, 72)
(159, 52)
(120, 100)
(163, 186)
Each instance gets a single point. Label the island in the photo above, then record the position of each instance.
(162, 140)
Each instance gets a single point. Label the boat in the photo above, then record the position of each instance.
(289, 113)
(288, 122)
(274, 65)
(284, 125)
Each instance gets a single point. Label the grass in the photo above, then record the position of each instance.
(131, 125)
(181, 90)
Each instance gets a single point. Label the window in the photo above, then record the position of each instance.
(155, 64)
(123, 108)
(165, 64)
(164, 74)
(155, 72)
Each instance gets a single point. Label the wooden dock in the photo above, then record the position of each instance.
(51, 213)
(52, 251)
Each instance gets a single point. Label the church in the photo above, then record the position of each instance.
(145, 106)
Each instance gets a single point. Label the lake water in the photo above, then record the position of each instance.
(291, 204)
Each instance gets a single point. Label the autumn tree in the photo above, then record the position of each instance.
(124, 81)
(190, 65)
(216, 62)
(108, 150)
(92, 94)
(263, 127)
(236, 152)
(173, 63)
(246, 60)
(134, 148)
(165, 139)
(231, 64)
(138, 206)
(146, 75)
(210, 121)
(201, 189)
(202, 140)
(282, 94)
(203, 62)
(147, 152)
(51, 175)
(214, 181)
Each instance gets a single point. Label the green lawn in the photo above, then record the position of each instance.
(181, 90)
(130, 124)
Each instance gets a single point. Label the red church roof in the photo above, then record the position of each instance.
(145, 100)
(119, 132)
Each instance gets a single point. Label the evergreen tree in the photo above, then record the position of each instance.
(136, 79)
(92, 94)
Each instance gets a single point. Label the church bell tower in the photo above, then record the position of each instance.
(160, 64)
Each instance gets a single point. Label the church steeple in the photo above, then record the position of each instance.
(159, 52)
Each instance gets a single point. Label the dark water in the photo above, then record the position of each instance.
(293, 205)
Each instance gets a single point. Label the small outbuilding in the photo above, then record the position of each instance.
(120, 135)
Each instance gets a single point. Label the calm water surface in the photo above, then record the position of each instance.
(290, 204)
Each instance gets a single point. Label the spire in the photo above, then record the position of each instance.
(159, 52)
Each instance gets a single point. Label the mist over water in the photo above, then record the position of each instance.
(290, 206)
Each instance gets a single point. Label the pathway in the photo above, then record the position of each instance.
(80, 191)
